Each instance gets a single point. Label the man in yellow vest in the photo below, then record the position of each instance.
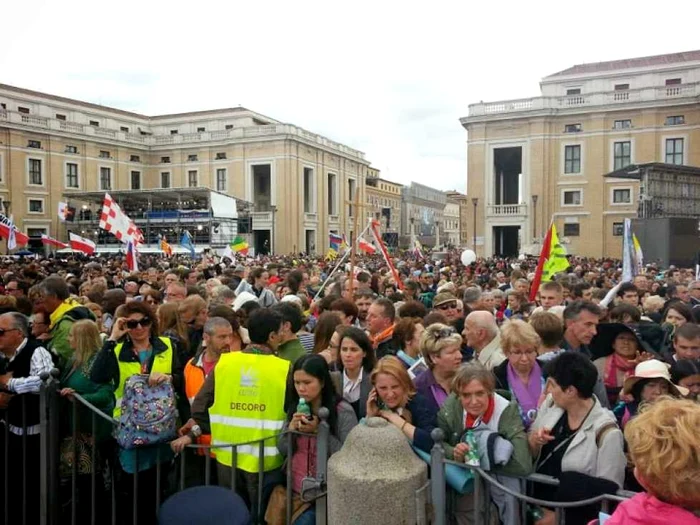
(218, 335)
(242, 403)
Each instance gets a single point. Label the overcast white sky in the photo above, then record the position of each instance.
(389, 78)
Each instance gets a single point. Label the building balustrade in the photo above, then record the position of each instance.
(506, 210)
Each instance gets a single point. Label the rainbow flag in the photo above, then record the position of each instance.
(240, 245)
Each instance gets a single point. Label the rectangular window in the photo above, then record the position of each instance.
(622, 87)
(105, 154)
(574, 91)
(36, 206)
(71, 175)
(165, 160)
(191, 158)
(135, 158)
(572, 198)
(201, 130)
(675, 120)
(124, 129)
(674, 151)
(34, 144)
(192, 179)
(572, 128)
(95, 123)
(673, 81)
(622, 196)
(229, 126)
(618, 229)
(572, 159)
(332, 194)
(221, 179)
(351, 196)
(572, 230)
(35, 175)
(71, 149)
(23, 110)
(60, 117)
(135, 180)
(165, 179)
(105, 178)
(221, 156)
(309, 190)
(173, 132)
(622, 124)
(622, 154)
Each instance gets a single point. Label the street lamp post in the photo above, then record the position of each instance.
(475, 202)
(534, 217)
(437, 234)
(413, 233)
(272, 235)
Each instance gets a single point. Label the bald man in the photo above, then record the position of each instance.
(483, 336)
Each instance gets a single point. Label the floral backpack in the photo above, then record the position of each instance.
(148, 413)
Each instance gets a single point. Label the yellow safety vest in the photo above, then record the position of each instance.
(162, 363)
(248, 406)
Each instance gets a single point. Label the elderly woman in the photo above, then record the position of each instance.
(627, 352)
(661, 440)
(407, 334)
(395, 399)
(440, 346)
(474, 406)
(575, 439)
(521, 373)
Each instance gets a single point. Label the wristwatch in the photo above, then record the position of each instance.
(195, 432)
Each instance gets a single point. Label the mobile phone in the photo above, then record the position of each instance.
(381, 405)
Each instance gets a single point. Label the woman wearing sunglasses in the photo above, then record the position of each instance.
(134, 347)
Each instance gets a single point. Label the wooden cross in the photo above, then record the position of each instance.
(357, 206)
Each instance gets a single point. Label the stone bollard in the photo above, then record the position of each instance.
(374, 478)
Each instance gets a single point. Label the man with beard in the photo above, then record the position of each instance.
(363, 300)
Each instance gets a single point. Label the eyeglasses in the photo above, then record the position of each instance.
(3, 332)
(445, 332)
(527, 353)
(143, 322)
(447, 306)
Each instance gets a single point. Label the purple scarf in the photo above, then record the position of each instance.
(527, 396)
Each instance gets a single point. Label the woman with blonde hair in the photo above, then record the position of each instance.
(171, 325)
(440, 346)
(664, 439)
(395, 399)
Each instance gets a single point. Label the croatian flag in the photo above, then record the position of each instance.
(81, 244)
(132, 257)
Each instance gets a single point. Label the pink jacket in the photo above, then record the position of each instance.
(644, 509)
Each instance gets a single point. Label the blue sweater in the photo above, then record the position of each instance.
(424, 420)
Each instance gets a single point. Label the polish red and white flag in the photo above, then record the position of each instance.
(365, 246)
(81, 244)
(50, 241)
(116, 222)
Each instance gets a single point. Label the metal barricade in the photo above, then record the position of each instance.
(77, 498)
(483, 481)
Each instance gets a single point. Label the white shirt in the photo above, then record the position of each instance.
(351, 389)
(41, 362)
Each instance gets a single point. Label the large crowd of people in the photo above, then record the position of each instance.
(595, 382)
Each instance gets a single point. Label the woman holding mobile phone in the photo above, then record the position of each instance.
(395, 399)
(311, 381)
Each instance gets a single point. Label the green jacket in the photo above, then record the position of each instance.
(59, 332)
(291, 350)
(509, 424)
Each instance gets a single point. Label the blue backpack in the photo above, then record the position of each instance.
(148, 413)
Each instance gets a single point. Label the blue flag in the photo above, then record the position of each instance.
(186, 242)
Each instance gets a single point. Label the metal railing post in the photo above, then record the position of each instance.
(322, 444)
(437, 477)
(48, 455)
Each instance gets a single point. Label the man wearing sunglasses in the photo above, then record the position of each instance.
(25, 360)
(446, 304)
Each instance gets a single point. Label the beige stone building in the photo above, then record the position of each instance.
(383, 201)
(450, 234)
(464, 210)
(55, 149)
(536, 159)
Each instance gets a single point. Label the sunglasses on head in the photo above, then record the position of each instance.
(143, 322)
(445, 332)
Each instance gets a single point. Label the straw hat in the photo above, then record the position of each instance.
(652, 369)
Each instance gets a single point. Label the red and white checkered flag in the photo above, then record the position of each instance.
(116, 222)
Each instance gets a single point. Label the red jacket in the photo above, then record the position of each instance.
(644, 509)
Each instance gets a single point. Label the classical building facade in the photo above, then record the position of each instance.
(537, 159)
(297, 183)
(449, 234)
(422, 210)
(464, 210)
(383, 202)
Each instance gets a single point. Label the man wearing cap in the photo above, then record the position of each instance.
(446, 304)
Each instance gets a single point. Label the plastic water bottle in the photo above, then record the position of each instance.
(471, 458)
(303, 407)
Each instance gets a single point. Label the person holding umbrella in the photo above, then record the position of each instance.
(617, 349)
